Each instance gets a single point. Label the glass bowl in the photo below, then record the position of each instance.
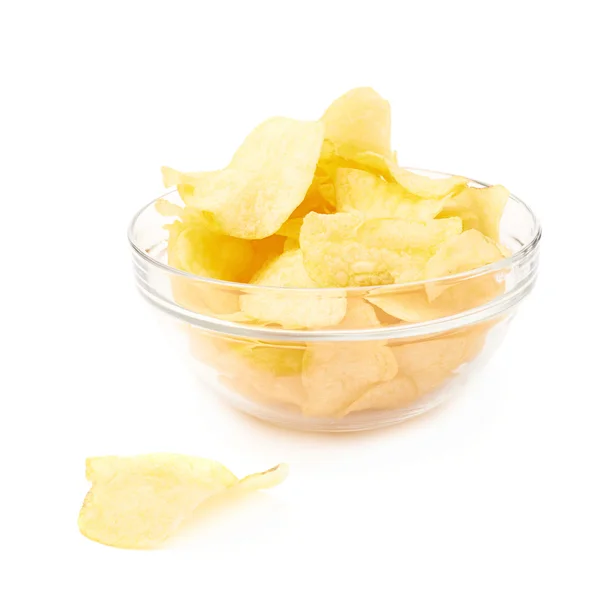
(399, 351)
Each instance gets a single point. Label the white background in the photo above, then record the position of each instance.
(494, 496)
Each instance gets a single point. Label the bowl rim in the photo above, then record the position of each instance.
(505, 263)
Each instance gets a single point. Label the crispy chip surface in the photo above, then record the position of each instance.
(139, 501)
(292, 309)
(336, 374)
(345, 250)
(266, 180)
(358, 121)
(376, 198)
(434, 300)
(479, 208)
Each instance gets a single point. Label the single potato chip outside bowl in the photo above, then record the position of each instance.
(287, 344)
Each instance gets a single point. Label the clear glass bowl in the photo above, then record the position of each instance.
(371, 370)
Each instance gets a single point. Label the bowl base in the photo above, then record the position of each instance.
(364, 421)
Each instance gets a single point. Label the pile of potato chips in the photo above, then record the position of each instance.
(306, 210)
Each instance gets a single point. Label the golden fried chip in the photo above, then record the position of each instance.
(464, 252)
(292, 309)
(359, 315)
(427, 187)
(399, 392)
(345, 250)
(334, 258)
(262, 481)
(358, 121)
(469, 250)
(479, 208)
(376, 198)
(336, 374)
(197, 250)
(168, 209)
(267, 179)
(409, 236)
(139, 501)
(432, 362)
(267, 389)
(278, 359)
(422, 186)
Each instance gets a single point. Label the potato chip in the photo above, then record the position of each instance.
(358, 121)
(422, 186)
(266, 180)
(265, 480)
(267, 389)
(279, 359)
(320, 196)
(467, 251)
(168, 209)
(139, 501)
(345, 250)
(193, 248)
(399, 392)
(263, 251)
(376, 198)
(432, 362)
(199, 251)
(479, 208)
(336, 374)
(292, 309)
(334, 258)
(359, 315)
(427, 187)
(409, 236)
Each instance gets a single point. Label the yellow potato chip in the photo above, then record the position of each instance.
(376, 198)
(267, 389)
(267, 179)
(432, 362)
(262, 481)
(464, 252)
(195, 249)
(427, 187)
(359, 315)
(184, 182)
(479, 208)
(336, 374)
(422, 186)
(358, 121)
(292, 309)
(278, 359)
(399, 392)
(333, 257)
(320, 196)
(345, 250)
(409, 236)
(263, 251)
(169, 209)
(139, 501)
(199, 251)
(469, 250)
